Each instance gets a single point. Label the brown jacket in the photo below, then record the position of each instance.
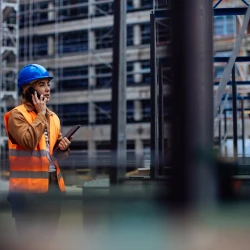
(28, 135)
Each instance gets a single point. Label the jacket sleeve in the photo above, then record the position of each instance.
(24, 134)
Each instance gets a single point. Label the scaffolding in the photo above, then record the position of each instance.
(227, 91)
(9, 47)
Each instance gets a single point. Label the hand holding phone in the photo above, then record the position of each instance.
(36, 99)
(28, 94)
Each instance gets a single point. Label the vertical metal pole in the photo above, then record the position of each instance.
(154, 103)
(192, 102)
(30, 30)
(2, 88)
(225, 131)
(219, 130)
(234, 97)
(243, 126)
(225, 125)
(161, 121)
(118, 121)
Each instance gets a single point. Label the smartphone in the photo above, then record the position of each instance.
(68, 135)
(29, 93)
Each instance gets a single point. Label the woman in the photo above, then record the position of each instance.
(36, 183)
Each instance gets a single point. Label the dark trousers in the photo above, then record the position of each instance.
(37, 215)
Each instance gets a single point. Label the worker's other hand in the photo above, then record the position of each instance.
(64, 143)
(39, 103)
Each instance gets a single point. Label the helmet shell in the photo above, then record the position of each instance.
(31, 73)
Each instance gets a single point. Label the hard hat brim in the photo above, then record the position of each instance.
(34, 79)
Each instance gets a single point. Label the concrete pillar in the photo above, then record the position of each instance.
(136, 4)
(51, 11)
(137, 34)
(138, 146)
(91, 8)
(138, 115)
(92, 76)
(92, 113)
(91, 40)
(51, 45)
(137, 76)
(52, 83)
(91, 145)
(91, 152)
(139, 152)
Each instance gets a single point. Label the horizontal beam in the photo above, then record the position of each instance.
(217, 59)
(237, 83)
(230, 11)
(238, 98)
(161, 13)
(217, 12)
(239, 110)
(238, 59)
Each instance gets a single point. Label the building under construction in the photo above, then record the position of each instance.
(162, 85)
(73, 39)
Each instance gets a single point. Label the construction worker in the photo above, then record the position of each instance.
(36, 183)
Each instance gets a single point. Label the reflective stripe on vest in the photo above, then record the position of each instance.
(29, 174)
(32, 174)
(27, 153)
(59, 176)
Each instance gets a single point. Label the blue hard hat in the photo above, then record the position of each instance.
(31, 73)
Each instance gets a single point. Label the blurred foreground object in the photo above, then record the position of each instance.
(192, 102)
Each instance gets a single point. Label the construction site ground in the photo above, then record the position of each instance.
(131, 222)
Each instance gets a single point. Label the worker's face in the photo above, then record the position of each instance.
(43, 88)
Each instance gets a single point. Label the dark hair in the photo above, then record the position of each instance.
(22, 94)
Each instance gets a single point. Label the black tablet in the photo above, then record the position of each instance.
(68, 135)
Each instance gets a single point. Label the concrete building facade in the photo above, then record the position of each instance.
(73, 39)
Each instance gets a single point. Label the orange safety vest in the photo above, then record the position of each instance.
(29, 169)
